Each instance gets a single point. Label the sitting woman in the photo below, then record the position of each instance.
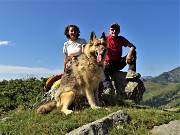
(74, 46)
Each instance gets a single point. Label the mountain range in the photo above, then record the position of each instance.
(172, 76)
(163, 90)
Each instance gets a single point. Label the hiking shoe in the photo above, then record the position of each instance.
(132, 74)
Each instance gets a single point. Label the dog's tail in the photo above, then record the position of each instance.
(46, 108)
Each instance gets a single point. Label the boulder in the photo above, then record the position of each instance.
(128, 89)
(101, 126)
(172, 128)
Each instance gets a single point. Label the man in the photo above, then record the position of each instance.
(114, 60)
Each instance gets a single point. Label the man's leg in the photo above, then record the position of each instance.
(114, 66)
(132, 69)
(132, 65)
(107, 85)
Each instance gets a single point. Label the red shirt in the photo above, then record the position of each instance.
(114, 47)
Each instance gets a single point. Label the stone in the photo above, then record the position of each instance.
(101, 126)
(131, 90)
(172, 128)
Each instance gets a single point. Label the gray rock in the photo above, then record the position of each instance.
(100, 127)
(131, 90)
(119, 81)
(1, 133)
(172, 128)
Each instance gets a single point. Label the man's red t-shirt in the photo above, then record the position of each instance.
(114, 47)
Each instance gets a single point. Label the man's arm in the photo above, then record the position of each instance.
(130, 54)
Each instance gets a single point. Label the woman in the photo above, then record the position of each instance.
(74, 46)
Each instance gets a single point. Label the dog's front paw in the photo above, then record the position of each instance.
(67, 111)
(95, 107)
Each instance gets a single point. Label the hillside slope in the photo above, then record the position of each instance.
(17, 118)
(172, 76)
(158, 95)
(163, 90)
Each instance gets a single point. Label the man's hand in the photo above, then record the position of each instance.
(106, 63)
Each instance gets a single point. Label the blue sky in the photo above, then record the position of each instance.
(32, 33)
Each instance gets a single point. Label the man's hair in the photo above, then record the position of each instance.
(115, 25)
(67, 30)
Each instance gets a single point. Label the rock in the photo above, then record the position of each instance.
(119, 81)
(172, 128)
(131, 90)
(1, 133)
(134, 90)
(100, 127)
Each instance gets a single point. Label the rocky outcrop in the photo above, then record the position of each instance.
(101, 126)
(129, 89)
(172, 128)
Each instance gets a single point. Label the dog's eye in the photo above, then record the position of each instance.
(104, 44)
(98, 44)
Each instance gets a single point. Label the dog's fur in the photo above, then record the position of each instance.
(81, 78)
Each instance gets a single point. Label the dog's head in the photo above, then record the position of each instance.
(96, 47)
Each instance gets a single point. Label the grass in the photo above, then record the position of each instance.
(30, 123)
(20, 94)
(162, 96)
(143, 120)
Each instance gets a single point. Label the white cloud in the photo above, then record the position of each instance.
(17, 72)
(5, 43)
(5, 69)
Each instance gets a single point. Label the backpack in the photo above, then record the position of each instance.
(51, 80)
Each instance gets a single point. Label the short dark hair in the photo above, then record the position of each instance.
(67, 30)
(115, 25)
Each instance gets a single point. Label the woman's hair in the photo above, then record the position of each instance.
(67, 30)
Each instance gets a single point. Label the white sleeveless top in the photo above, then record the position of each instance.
(74, 48)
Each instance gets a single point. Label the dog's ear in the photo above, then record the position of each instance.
(93, 36)
(103, 36)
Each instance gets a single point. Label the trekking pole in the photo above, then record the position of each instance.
(46, 98)
(41, 101)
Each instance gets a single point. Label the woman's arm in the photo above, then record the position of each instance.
(65, 61)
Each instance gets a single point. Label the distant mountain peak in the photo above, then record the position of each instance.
(168, 77)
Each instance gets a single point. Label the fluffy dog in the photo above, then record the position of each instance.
(82, 78)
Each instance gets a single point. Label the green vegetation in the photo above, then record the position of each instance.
(18, 92)
(17, 95)
(165, 78)
(158, 95)
(164, 90)
(143, 120)
(30, 123)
